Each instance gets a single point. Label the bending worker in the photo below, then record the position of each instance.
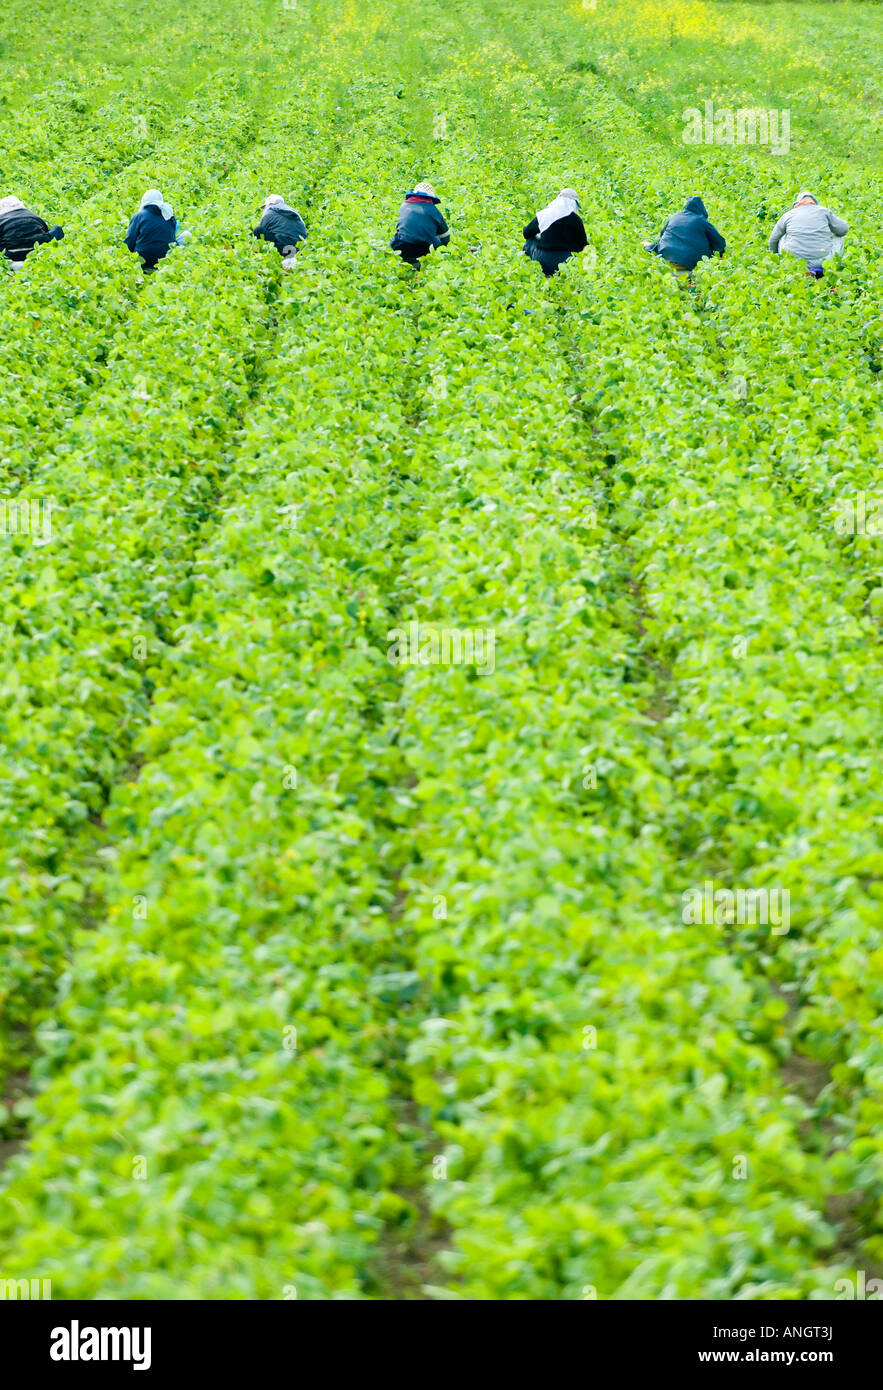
(153, 230)
(21, 230)
(810, 232)
(420, 227)
(687, 237)
(284, 227)
(556, 233)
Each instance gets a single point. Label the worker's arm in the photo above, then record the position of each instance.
(132, 233)
(778, 232)
(654, 245)
(716, 241)
(532, 229)
(839, 226)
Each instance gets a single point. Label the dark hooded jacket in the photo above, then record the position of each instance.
(20, 232)
(150, 234)
(688, 236)
(420, 226)
(283, 226)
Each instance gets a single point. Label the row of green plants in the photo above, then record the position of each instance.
(805, 658)
(346, 976)
(508, 1078)
(62, 318)
(235, 1016)
(99, 386)
(773, 628)
(129, 459)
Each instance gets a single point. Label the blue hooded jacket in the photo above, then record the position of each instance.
(688, 236)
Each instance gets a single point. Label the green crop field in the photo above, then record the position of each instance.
(333, 976)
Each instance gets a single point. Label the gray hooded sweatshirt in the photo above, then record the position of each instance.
(808, 232)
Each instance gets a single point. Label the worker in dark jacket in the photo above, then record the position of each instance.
(556, 233)
(21, 230)
(153, 230)
(688, 236)
(283, 226)
(421, 227)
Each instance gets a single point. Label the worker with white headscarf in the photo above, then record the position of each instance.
(21, 230)
(153, 230)
(810, 232)
(420, 228)
(556, 233)
(284, 227)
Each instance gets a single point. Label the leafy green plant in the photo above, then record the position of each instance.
(367, 980)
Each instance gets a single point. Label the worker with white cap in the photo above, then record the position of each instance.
(810, 232)
(283, 226)
(421, 227)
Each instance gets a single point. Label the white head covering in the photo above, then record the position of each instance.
(805, 194)
(276, 200)
(10, 205)
(154, 199)
(426, 189)
(562, 206)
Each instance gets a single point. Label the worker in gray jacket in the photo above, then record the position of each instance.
(284, 227)
(810, 232)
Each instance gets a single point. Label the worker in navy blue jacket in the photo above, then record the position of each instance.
(284, 227)
(21, 230)
(153, 230)
(421, 227)
(688, 236)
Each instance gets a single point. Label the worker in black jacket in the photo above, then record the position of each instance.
(21, 230)
(687, 237)
(556, 233)
(283, 226)
(420, 227)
